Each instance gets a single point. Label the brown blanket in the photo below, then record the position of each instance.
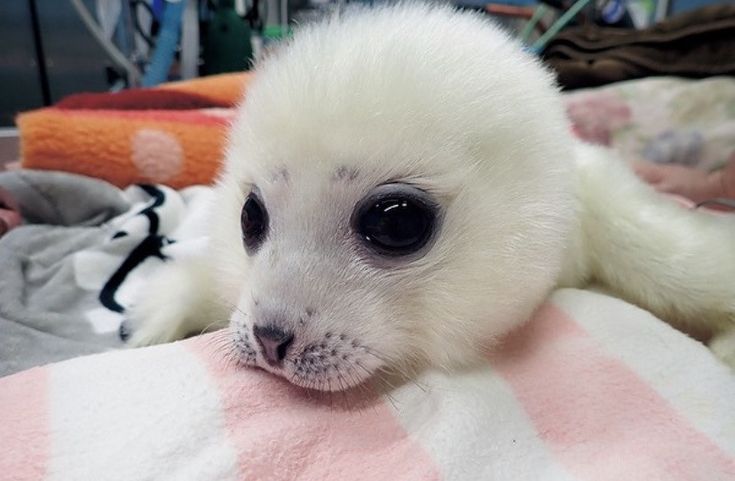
(696, 44)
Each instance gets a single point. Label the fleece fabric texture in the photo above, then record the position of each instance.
(591, 389)
(68, 274)
(173, 134)
(697, 44)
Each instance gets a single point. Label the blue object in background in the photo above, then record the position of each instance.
(157, 7)
(166, 43)
(613, 11)
(679, 6)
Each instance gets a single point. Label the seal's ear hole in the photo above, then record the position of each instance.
(395, 220)
(254, 223)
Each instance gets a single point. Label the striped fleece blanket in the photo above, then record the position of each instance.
(592, 389)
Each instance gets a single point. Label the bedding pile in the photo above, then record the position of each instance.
(78, 261)
(697, 43)
(591, 389)
(175, 134)
(666, 120)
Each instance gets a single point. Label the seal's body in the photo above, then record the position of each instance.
(402, 187)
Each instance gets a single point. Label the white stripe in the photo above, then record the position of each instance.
(474, 428)
(680, 369)
(151, 415)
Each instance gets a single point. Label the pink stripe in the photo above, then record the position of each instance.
(596, 415)
(281, 434)
(24, 417)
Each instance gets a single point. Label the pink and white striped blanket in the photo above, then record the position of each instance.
(591, 389)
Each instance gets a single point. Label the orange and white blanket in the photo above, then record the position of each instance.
(173, 134)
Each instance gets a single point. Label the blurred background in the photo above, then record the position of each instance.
(58, 47)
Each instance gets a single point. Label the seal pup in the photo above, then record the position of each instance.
(401, 188)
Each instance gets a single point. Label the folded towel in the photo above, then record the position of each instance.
(592, 389)
(698, 43)
(173, 134)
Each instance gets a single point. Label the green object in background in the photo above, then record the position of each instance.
(642, 12)
(539, 12)
(226, 46)
(557, 26)
(276, 32)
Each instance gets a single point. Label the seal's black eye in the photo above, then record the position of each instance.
(254, 222)
(395, 219)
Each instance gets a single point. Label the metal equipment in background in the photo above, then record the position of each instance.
(47, 55)
(59, 47)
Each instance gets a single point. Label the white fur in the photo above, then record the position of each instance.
(447, 102)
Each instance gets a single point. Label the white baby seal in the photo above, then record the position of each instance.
(401, 188)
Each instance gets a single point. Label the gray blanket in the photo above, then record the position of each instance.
(68, 274)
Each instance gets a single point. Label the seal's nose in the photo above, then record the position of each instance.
(274, 343)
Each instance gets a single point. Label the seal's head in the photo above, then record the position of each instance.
(397, 193)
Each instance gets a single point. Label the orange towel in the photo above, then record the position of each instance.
(224, 87)
(173, 134)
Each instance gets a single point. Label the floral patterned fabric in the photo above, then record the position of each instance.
(660, 119)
